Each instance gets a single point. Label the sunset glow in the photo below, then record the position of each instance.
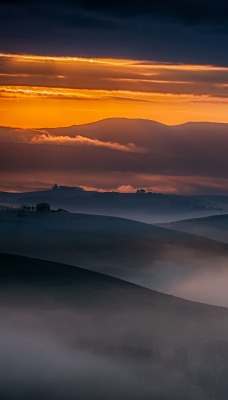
(39, 91)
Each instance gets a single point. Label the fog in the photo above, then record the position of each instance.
(39, 360)
(206, 287)
(42, 364)
(35, 366)
(70, 333)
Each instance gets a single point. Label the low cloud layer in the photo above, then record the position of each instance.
(81, 140)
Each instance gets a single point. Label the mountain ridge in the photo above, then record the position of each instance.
(111, 119)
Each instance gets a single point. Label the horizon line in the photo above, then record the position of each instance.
(117, 118)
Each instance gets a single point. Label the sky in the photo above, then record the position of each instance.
(66, 63)
(189, 31)
(39, 91)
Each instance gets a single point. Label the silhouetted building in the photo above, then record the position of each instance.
(55, 187)
(67, 188)
(43, 207)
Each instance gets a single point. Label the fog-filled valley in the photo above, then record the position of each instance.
(71, 333)
(96, 306)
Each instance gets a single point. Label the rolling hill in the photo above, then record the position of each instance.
(69, 332)
(155, 257)
(213, 227)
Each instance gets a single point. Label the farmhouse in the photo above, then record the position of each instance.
(43, 207)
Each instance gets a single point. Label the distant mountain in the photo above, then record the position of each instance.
(171, 141)
(69, 332)
(162, 139)
(158, 258)
(113, 153)
(123, 130)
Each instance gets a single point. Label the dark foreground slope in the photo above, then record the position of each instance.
(213, 227)
(158, 258)
(68, 333)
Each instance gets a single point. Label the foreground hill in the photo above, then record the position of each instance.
(174, 262)
(213, 227)
(69, 332)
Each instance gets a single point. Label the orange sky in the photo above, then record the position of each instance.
(40, 91)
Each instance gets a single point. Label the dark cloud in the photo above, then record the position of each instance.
(187, 11)
(175, 30)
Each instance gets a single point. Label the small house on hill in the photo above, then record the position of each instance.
(43, 207)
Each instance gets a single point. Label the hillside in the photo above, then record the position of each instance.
(213, 227)
(152, 256)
